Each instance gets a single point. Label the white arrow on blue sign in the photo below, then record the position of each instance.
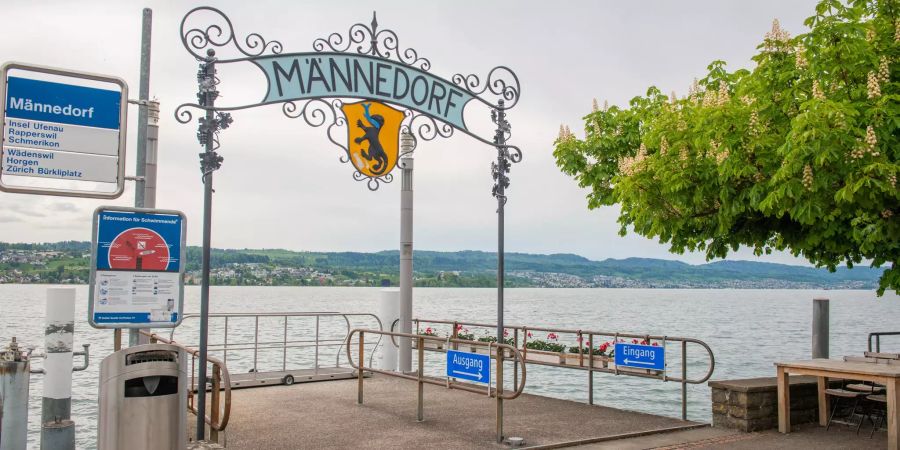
(640, 356)
(468, 366)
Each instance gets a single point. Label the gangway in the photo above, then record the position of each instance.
(272, 348)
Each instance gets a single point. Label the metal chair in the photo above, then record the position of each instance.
(837, 395)
(881, 411)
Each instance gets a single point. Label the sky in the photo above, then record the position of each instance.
(282, 184)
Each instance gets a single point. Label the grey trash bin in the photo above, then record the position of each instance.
(143, 399)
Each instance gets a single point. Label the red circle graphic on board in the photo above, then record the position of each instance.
(139, 249)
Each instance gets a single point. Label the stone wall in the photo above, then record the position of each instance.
(751, 404)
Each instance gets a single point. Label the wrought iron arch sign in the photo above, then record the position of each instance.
(367, 63)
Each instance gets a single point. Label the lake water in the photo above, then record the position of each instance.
(747, 329)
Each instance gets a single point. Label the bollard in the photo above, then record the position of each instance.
(57, 430)
(388, 313)
(14, 379)
(820, 328)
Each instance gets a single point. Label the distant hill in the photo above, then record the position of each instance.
(462, 268)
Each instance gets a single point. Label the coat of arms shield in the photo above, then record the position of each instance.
(373, 139)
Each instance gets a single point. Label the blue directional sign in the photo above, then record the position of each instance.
(469, 366)
(640, 356)
(65, 129)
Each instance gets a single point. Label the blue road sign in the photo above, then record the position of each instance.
(640, 356)
(469, 366)
(46, 101)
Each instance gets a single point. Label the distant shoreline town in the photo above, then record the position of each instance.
(67, 263)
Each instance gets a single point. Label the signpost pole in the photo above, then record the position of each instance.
(500, 169)
(140, 173)
(208, 165)
(407, 145)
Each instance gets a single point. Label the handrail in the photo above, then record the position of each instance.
(497, 392)
(215, 423)
(586, 358)
(452, 384)
(220, 424)
(257, 345)
(877, 335)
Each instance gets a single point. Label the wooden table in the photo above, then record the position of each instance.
(886, 374)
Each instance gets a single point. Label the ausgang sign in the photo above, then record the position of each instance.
(62, 132)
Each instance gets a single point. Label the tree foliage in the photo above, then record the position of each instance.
(800, 153)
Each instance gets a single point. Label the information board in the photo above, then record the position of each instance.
(137, 268)
(61, 129)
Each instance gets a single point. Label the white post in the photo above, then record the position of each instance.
(407, 145)
(388, 313)
(14, 378)
(57, 431)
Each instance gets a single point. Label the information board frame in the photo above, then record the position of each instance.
(182, 260)
(123, 128)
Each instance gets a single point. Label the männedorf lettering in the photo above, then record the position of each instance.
(26, 104)
(319, 75)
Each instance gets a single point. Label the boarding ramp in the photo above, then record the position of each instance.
(269, 348)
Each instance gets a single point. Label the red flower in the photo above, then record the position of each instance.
(634, 341)
(579, 339)
(505, 332)
(656, 344)
(429, 330)
(459, 327)
(552, 336)
(644, 342)
(529, 334)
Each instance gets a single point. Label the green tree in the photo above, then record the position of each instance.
(800, 153)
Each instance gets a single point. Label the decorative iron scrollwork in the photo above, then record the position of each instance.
(500, 81)
(220, 34)
(369, 40)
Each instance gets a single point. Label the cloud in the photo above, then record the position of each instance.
(9, 219)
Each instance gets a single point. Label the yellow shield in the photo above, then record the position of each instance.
(373, 130)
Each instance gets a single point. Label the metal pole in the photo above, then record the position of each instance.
(501, 182)
(57, 430)
(420, 409)
(208, 93)
(14, 379)
(359, 368)
(407, 145)
(140, 172)
(820, 328)
(499, 393)
(683, 380)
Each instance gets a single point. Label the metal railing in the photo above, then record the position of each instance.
(587, 361)
(877, 335)
(317, 342)
(219, 410)
(497, 392)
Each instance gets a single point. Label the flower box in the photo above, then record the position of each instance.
(543, 356)
(428, 345)
(574, 359)
(484, 350)
(636, 370)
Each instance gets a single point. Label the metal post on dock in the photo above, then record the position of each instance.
(820, 328)
(57, 430)
(140, 171)
(420, 410)
(14, 380)
(407, 145)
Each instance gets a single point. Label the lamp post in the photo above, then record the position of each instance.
(407, 145)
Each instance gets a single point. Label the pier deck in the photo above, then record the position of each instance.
(325, 415)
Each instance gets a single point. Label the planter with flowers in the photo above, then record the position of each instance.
(548, 351)
(489, 338)
(428, 344)
(580, 355)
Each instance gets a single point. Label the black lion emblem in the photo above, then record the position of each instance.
(375, 150)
